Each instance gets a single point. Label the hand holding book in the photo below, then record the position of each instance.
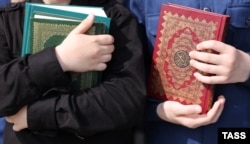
(228, 64)
(189, 115)
(180, 29)
(48, 25)
(82, 53)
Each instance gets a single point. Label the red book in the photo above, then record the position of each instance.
(180, 29)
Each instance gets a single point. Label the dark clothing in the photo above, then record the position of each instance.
(103, 114)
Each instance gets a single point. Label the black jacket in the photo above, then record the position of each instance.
(103, 114)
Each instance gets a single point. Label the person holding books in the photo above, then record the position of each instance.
(168, 122)
(36, 95)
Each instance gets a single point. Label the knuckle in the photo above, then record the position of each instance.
(226, 79)
(95, 39)
(96, 52)
(231, 62)
(234, 51)
(213, 43)
(206, 69)
(208, 57)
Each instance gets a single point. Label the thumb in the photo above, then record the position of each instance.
(84, 25)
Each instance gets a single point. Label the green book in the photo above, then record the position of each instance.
(48, 25)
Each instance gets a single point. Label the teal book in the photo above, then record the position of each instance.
(48, 25)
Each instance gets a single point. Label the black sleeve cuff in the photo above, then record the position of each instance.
(41, 115)
(46, 71)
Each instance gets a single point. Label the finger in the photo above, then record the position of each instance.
(213, 79)
(107, 49)
(181, 109)
(205, 57)
(105, 58)
(209, 69)
(212, 116)
(205, 67)
(212, 45)
(217, 109)
(84, 25)
(100, 67)
(105, 39)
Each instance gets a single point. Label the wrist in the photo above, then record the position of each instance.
(60, 58)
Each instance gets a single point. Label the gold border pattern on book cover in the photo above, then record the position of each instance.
(178, 37)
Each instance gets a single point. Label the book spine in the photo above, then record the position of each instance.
(25, 29)
(223, 28)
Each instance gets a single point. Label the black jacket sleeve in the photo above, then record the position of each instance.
(117, 102)
(23, 79)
